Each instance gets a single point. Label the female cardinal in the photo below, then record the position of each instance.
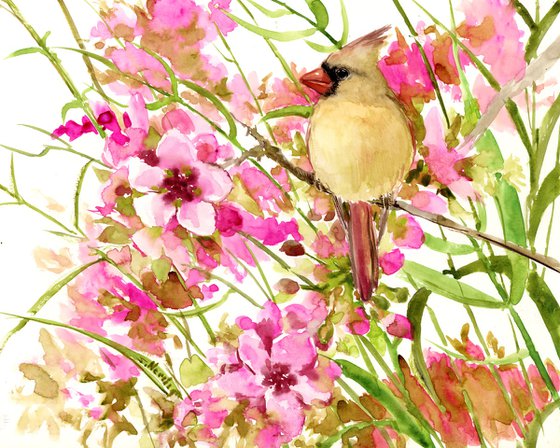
(360, 145)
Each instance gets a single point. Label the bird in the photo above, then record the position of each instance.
(360, 145)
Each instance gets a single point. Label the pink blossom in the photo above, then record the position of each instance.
(179, 185)
(491, 32)
(223, 22)
(74, 130)
(398, 325)
(173, 14)
(391, 262)
(413, 236)
(121, 367)
(429, 202)
(133, 60)
(444, 162)
(203, 411)
(242, 103)
(359, 323)
(405, 71)
(280, 373)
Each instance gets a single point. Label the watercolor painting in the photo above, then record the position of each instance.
(299, 223)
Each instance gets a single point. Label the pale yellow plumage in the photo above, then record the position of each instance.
(360, 144)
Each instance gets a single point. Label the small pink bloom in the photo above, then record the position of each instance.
(179, 185)
(398, 325)
(442, 161)
(413, 236)
(406, 73)
(392, 261)
(360, 323)
(121, 367)
(223, 22)
(429, 202)
(498, 39)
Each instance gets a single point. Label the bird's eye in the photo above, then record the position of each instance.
(341, 73)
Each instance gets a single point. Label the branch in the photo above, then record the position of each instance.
(265, 148)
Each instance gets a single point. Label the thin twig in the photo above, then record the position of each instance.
(274, 153)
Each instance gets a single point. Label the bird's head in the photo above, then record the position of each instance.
(352, 70)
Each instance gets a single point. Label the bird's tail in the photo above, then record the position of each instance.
(363, 249)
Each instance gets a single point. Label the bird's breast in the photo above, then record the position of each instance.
(360, 151)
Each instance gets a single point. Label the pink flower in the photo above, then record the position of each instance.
(444, 162)
(412, 237)
(133, 60)
(391, 262)
(203, 411)
(398, 325)
(223, 22)
(491, 31)
(406, 73)
(177, 184)
(280, 373)
(121, 367)
(430, 202)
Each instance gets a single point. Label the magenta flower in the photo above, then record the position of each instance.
(201, 411)
(406, 73)
(279, 373)
(177, 184)
(444, 163)
(398, 325)
(391, 262)
(491, 31)
(223, 22)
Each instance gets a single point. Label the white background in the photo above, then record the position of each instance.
(32, 93)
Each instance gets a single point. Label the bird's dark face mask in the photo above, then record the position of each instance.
(325, 79)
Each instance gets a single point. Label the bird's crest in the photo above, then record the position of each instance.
(373, 39)
(361, 53)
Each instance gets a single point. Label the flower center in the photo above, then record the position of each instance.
(279, 377)
(181, 185)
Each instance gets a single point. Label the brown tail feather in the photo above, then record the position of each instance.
(363, 249)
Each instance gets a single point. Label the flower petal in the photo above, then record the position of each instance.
(214, 182)
(197, 217)
(175, 150)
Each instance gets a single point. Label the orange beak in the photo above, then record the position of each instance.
(317, 80)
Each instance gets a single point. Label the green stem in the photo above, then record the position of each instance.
(55, 62)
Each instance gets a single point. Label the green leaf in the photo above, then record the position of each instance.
(47, 295)
(322, 48)
(449, 287)
(414, 313)
(74, 104)
(446, 247)
(405, 421)
(320, 12)
(499, 264)
(194, 371)
(161, 268)
(513, 227)
(545, 133)
(284, 36)
(273, 14)
(345, 24)
(289, 111)
(547, 305)
(151, 368)
(537, 36)
(24, 51)
(549, 191)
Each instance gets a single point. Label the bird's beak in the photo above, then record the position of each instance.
(317, 80)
